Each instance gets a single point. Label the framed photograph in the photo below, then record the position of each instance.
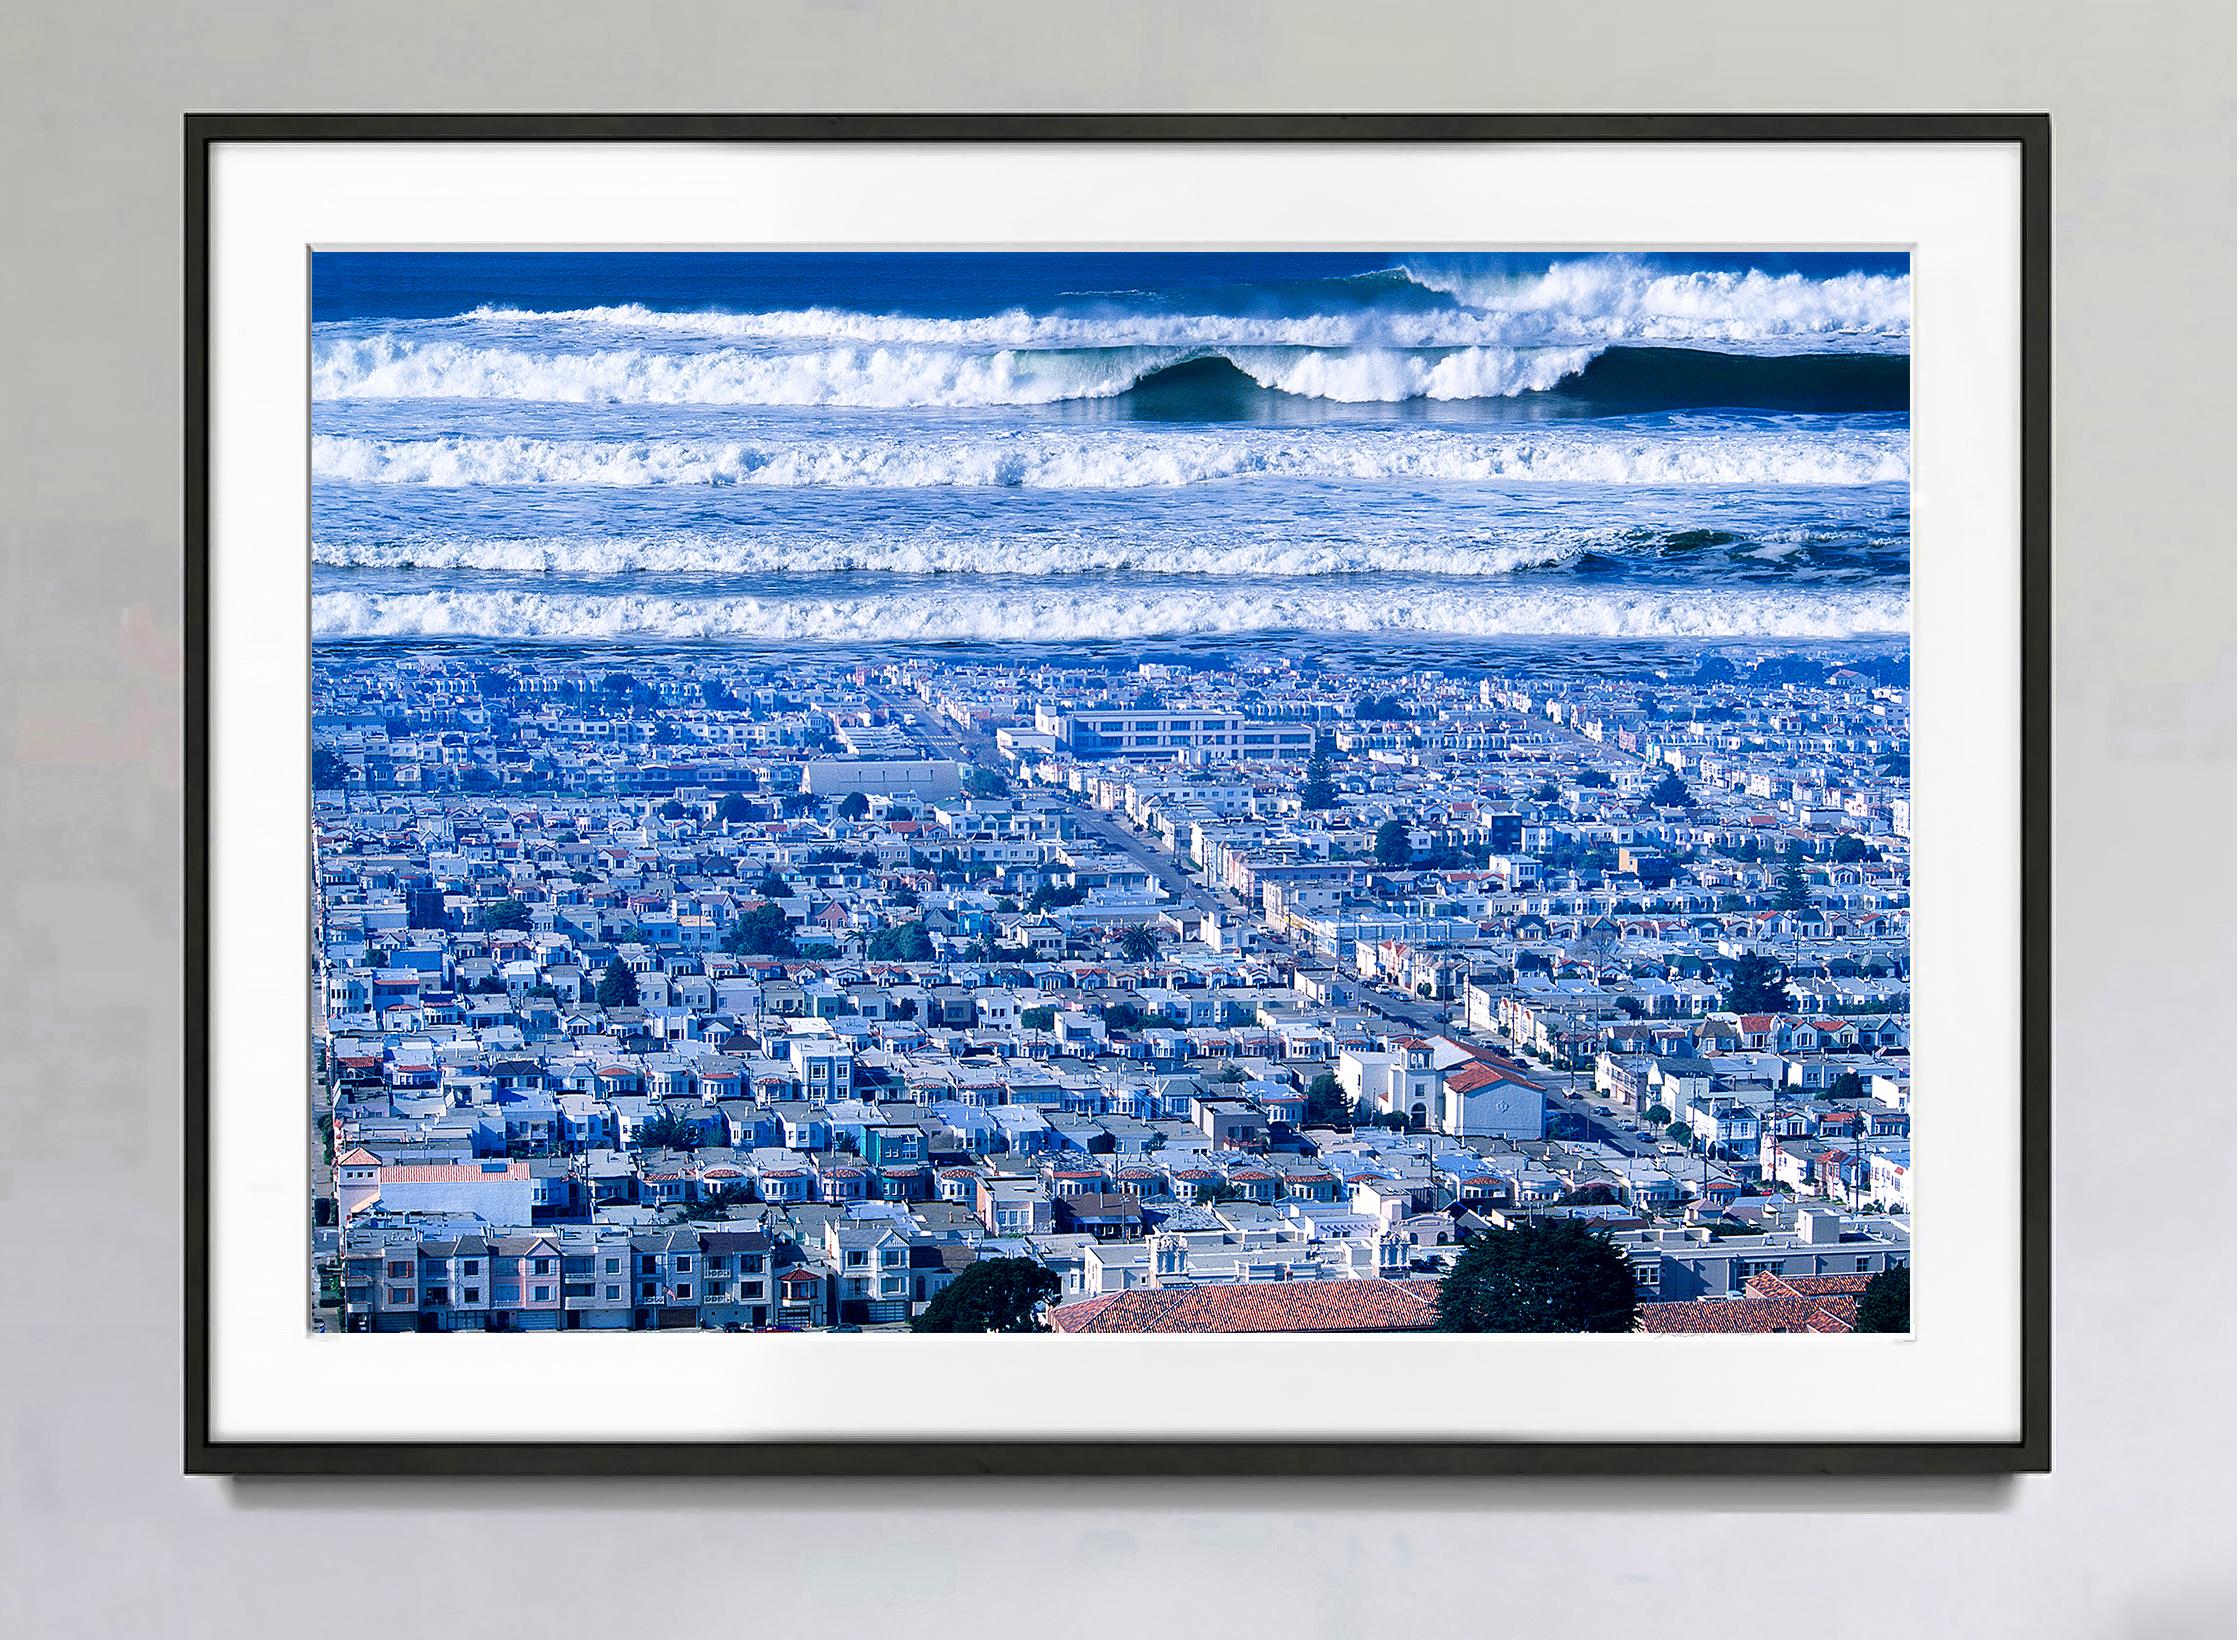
(961, 794)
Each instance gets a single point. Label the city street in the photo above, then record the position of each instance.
(945, 739)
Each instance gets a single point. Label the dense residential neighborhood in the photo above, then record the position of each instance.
(745, 994)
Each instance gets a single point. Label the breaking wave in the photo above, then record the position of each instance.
(1075, 613)
(1108, 458)
(741, 555)
(1599, 301)
(912, 377)
(1611, 299)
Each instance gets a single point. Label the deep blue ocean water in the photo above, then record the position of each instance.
(862, 451)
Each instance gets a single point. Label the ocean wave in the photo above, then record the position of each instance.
(911, 377)
(1119, 612)
(1115, 458)
(1599, 300)
(1614, 298)
(392, 367)
(995, 555)
(1389, 376)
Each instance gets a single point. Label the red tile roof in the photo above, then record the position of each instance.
(1831, 1313)
(1480, 1073)
(452, 1173)
(1257, 1307)
(1768, 1285)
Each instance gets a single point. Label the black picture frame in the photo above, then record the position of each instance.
(2029, 1452)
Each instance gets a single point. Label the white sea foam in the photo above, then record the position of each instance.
(1015, 328)
(1599, 300)
(1121, 611)
(697, 553)
(1614, 298)
(908, 377)
(1127, 457)
(392, 367)
(1389, 376)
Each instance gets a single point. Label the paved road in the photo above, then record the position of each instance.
(966, 746)
(1163, 866)
(1429, 1018)
(1599, 1124)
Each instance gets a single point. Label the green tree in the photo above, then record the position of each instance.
(1848, 1085)
(1793, 890)
(617, 986)
(1656, 1116)
(1670, 792)
(1318, 792)
(1393, 844)
(985, 783)
(672, 810)
(1038, 1019)
(772, 886)
(903, 942)
(1137, 942)
(853, 806)
(329, 769)
(994, 1295)
(1885, 1305)
(1326, 1103)
(505, 913)
(715, 1204)
(1550, 1276)
(665, 1130)
(733, 809)
(1757, 986)
(760, 931)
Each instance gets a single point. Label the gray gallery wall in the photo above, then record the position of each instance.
(99, 1534)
